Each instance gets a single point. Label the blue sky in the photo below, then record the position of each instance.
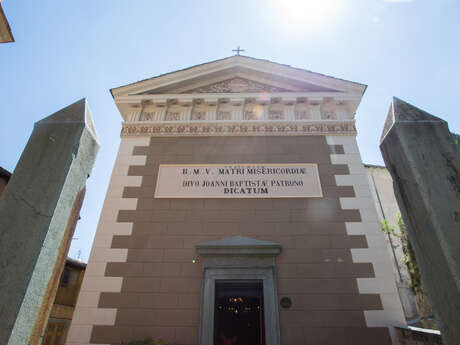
(66, 50)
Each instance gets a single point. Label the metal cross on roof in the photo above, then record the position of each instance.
(238, 50)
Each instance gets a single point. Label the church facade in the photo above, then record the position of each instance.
(238, 212)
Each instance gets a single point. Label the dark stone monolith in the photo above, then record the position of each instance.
(424, 161)
(38, 213)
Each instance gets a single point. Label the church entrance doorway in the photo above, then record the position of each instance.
(239, 312)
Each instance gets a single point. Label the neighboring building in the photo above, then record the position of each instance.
(64, 303)
(5, 31)
(239, 210)
(381, 185)
(5, 176)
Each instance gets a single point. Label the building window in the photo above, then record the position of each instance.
(65, 278)
(56, 332)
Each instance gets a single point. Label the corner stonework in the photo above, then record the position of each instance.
(376, 252)
(87, 314)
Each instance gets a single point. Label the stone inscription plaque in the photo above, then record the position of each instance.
(238, 181)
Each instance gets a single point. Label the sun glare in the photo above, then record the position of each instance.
(297, 16)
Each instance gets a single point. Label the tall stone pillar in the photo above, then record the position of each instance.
(38, 213)
(424, 161)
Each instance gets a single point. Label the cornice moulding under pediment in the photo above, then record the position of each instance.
(335, 95)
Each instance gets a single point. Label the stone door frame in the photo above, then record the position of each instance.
(265, 274)
(233, 259)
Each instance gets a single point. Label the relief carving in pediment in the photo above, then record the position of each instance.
(236, 85)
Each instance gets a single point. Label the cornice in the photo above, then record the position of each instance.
(238, 128)
(164, 97)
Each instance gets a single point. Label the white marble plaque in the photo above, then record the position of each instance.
(238, 181)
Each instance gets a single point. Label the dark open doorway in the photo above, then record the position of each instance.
(239, 313)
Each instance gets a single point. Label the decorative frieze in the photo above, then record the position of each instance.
(302, 110)
(237, 109)
(172, 116)
(135, 115)
(148, 116)
(329, 115)
(250, 115)
(224, 115)
(302, 115)
(289, 111)
(341, 110)
(211, 112)
(235, 113)
(275, 115)
(243, 109)
(271, 128)
(315, 111)
(198, 116)
(328, 108)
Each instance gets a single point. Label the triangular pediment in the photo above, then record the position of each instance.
(237, 79)
(238, 74)
(236, 85)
